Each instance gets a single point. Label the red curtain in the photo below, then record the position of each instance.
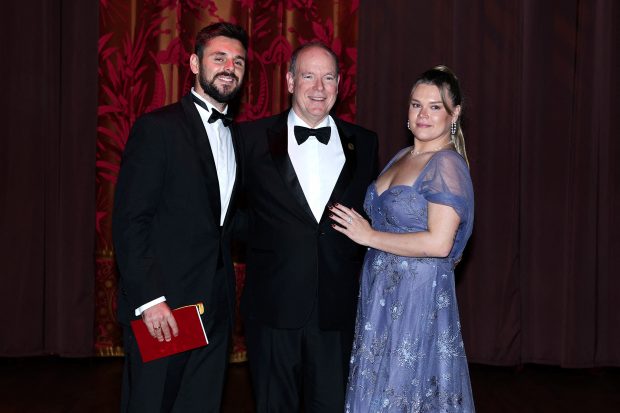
(538, 282)
(144, 48)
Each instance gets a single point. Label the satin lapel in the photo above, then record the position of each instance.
(348, 141)
(278, 138)
(234, 136)
(203, 150)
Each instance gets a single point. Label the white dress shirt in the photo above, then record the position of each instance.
(317, 165)
(221, 144)
(223, 154)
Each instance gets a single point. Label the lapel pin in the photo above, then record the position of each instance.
(351, 146)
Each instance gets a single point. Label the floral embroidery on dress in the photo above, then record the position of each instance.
(443, 300)
(449, 344)
(407, 354)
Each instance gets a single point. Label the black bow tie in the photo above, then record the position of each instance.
(322, 134)
(215, 115)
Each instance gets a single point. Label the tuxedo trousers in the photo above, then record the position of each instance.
(291, 368)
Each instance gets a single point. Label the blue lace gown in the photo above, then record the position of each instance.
(408, 353)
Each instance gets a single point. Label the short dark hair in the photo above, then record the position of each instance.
(293, 66)
(219, 29)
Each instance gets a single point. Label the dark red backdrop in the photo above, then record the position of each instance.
(538, 283)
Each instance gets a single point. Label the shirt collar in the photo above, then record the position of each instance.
(209, 105)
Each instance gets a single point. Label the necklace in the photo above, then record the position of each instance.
(414, 153)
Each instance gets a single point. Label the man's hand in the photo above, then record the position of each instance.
(160, 322)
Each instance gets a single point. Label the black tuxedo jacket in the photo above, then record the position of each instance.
(166, 225)
(293, 262)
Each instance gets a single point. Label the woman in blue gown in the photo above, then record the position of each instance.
(408, 353)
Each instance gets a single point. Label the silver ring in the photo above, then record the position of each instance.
(349, 219)
(156, 328)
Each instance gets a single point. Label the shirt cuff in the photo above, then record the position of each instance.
(148, 305)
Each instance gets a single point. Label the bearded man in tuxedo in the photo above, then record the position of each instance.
(172, 230)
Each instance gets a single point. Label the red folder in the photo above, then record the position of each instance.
(191, 334)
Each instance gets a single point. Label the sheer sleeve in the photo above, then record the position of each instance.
(446, 180)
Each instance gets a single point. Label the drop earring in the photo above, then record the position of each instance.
(408, 125)
(453, 128)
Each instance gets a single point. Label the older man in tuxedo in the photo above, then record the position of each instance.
(172, 229)
(302, 276)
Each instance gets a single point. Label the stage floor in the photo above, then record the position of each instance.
(54, 385)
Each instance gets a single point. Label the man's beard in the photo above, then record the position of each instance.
(225, 96)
